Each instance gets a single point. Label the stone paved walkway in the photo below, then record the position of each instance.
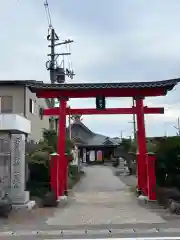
(101, 206)
(102, 198)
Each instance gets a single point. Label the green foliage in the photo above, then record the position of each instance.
(50, 139)
(133, 147)
(40, 157)
(39, 180)
(74, 175)
(167, 152)
(73, 171)
(69, 146)
(126, 144)
(50, 142)
(152, 147)
(168, 162)
(38, 188)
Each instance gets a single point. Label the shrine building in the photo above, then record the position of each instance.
(93, 147)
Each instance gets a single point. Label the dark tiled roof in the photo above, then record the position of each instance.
(93, 139)
(99, 139)
(168, 84)
(20, 82)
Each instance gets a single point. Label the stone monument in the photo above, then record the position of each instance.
(18, 194)
(13, 158)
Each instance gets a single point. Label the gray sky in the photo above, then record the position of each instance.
(115, 41)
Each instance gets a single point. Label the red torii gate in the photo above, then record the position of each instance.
(137, 90)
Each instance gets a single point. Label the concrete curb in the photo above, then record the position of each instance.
(88, 233)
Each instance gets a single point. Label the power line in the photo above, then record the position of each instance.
(48, 13)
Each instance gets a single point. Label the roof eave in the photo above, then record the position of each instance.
(166, 84)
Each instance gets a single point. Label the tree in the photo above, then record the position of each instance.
(126, 144)
(51, 103)
(168, 162)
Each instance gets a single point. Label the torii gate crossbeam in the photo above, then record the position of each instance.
(93, 111)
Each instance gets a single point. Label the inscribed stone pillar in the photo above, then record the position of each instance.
(18, 193)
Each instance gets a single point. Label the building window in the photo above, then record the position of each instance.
(6, 104)
(31, 106)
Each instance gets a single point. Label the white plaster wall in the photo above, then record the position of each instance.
(14, 122)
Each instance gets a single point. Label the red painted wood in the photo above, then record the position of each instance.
(66, 175)
(142, 150)
(61, 148)
(83, 93)
(92, 111)
(151, 177)
(139, 171)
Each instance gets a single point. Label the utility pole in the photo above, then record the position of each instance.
(121, 135)
(52, 38)
(178, 127)
(69, 123)
(134, 121)
(165, 130)
(57, 71)
(52, 63)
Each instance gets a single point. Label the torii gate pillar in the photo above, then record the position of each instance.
(142, 149)
(61, 148)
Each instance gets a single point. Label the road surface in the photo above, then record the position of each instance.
(100, 206)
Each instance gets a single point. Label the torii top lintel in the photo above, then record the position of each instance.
(87, 90)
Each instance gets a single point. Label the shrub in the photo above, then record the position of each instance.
(38, 188)
(38, 163)
(168, 162)
(73, 171)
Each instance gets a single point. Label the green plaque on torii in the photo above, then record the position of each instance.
(100, 102)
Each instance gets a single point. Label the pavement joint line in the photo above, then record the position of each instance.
(87, 232)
